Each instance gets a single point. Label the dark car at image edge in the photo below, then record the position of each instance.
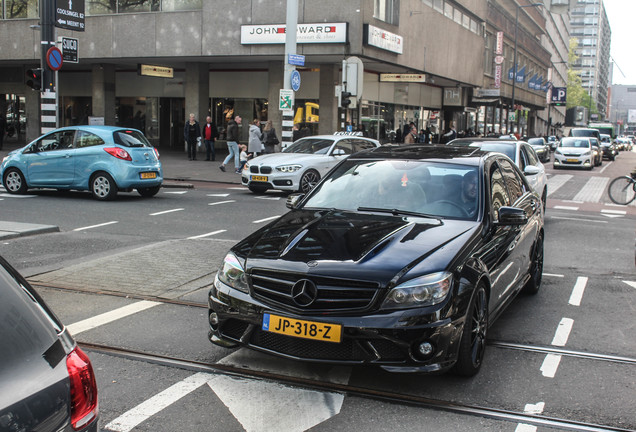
(47, 381)
(411, 285)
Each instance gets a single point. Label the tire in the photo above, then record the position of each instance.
(622, 190)
(308, 181)
(544, 200)
(149, 192)
(103, 187)
(536, 268)
(14, 181)
(258, 189)
(473, 343)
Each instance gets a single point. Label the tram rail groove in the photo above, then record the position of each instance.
(356, 391)
(494, 343)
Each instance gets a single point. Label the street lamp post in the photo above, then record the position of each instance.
(514, 65)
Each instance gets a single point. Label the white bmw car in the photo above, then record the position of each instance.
(300, 166)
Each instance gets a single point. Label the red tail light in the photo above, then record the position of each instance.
(157, 153)
(119, 153)
(84, 406)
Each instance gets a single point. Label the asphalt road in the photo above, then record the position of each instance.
(567, 353)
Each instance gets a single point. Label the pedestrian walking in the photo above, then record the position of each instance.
(191, 134)
(243, 157)
(450, 135)
(210, 134)
(270, 140)
(3, 128)
(232, 143)
(255, 143)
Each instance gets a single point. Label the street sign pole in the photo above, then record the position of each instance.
(48, 96)
(291, 24)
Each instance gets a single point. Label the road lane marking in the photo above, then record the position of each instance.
(617, 212)
(554, 183)
(268, 198)
(577, 291)
(560, 207)
(593, 190)
(165, 212)
(577, 219)
(132, 418)
(108, 317)
(563, 332)
(534, 408)
(95, 226)
(550, 365)
(222, 202)
(237, 188)
(17, 196)
(605, 167)
(266, 219)
(523, 427)
(206, 235)
(176, 192)
(218, 195)
(553, 275)
(631, 283)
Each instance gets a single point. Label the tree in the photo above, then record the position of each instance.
(577, 94)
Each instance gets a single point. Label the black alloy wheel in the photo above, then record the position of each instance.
(308, 181)
(473, 343)
(536, 268)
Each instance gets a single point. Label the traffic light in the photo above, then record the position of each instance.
(34, 79)
(345, 100)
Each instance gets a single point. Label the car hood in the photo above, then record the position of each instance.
(352, 245)
(277, 159)
(573, 150)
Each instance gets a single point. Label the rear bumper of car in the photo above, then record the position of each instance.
(132, 176)
(388, 340)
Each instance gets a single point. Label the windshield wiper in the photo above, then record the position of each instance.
(397, 212)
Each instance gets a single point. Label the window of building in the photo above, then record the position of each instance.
(488, 53)
(428, 2)
(12, 9)
(100, 7)
(448, 10)
(387, 11)
(438, 5)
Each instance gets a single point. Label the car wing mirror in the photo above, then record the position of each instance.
(531, 170)
(293, 200)
(512, 216)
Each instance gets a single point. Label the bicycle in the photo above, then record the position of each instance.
(622, 190)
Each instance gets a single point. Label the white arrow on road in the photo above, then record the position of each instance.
(631, 283)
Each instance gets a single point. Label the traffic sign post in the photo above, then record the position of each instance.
(69, 14)
(286, 99)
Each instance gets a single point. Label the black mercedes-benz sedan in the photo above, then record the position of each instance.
(401, 257)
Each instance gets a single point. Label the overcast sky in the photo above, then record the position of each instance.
(621, 15)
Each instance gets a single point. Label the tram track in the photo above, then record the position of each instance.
(352, 390)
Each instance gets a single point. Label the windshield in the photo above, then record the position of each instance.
(310, 146)
(130, 138)
(573, 142)
(536, 141)
(401, 187)
(507, 149)
(584, 133)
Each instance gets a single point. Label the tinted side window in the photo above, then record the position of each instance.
(360, 145)
(87, 139)
(498, 194)
(55, 141)
(345, 146)
(530, 155)
(516, 187)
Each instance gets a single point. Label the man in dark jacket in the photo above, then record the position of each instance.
(232, 143)
(210, 134)
(191, 132)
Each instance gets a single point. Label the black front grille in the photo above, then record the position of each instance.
(233, 329)
(254, 169)
(266, 170)
(347, 350)
(336, 295)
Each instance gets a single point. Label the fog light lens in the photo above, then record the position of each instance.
(425, 349)
(214, 319)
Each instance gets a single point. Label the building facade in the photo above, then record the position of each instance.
(590, 26)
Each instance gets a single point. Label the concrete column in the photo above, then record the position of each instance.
(329, 78)
(32, 113)
(275, 83)
(103, 83)
(197, 90)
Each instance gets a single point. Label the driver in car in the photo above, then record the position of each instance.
(468, 199)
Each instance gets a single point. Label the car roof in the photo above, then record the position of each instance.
(456, 154)
(468, 141)
(336, 137)
(96, 129)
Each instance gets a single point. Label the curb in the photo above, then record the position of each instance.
(10, 230)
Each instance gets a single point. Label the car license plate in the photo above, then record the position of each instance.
(301, 328)
(572, 160)
(148, 175)
(259, 178)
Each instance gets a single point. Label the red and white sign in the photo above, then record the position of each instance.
(498, 69)
(305, 33)
(386, 40)
(499, 46)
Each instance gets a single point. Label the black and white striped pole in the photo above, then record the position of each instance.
(291, 24)
(51, 61)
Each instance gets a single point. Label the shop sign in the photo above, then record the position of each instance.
(387, 77)
(70, 48)
(498, 69)
(155, 71)
(480, 93)
(499, 45)
(305, 33)
(379, 38)
(453, 96)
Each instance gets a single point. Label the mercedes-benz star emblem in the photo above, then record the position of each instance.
(304, 292)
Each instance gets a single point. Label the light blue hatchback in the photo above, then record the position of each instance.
(100, 159)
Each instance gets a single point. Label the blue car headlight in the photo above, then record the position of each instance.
(422, 291)
(288, 168)
(231, 273)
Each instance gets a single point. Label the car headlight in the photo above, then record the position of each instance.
(231, 273)
(421, 291)
(288, 168)
(587, 153)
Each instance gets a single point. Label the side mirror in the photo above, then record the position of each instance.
(512, 216)
(531, 170)
(293, 200)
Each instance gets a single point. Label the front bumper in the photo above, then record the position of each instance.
(389, 340)
(573, 161)
(278, 181)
